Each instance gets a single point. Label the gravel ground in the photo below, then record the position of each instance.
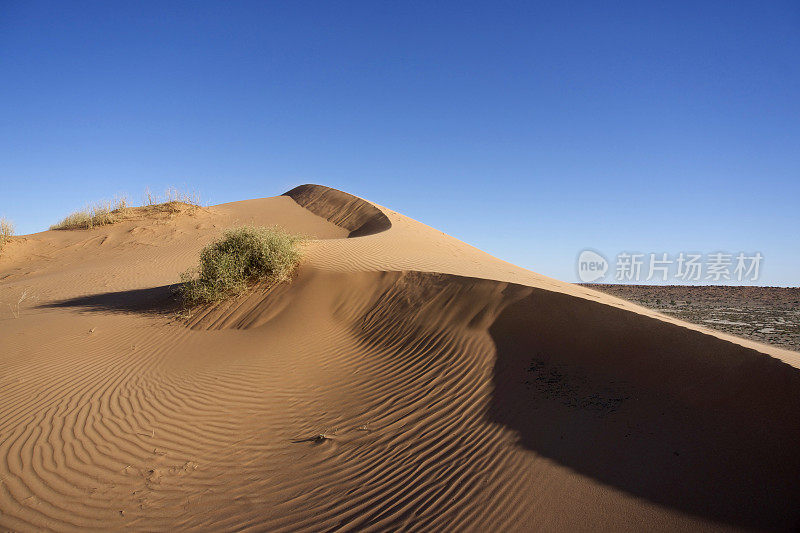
(765, 314)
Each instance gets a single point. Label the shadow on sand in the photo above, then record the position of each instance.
(151, 301)
(680, 418)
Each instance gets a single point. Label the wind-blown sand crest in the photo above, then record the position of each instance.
(402, 381)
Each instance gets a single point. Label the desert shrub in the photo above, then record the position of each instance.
(242, 257)
(6, 231)
(98, 214)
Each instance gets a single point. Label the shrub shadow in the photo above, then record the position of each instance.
(151, 301)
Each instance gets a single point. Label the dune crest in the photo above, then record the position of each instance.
(403, 380)
(345, 210)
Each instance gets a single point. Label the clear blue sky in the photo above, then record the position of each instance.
(530, 131)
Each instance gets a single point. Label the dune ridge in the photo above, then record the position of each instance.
(342, 209)
(402, 381)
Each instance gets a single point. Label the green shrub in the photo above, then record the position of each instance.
(242, 257)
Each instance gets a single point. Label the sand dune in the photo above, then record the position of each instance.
(403, 381)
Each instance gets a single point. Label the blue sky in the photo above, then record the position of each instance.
(529, 130)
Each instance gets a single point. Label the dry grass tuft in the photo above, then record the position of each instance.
(109, 212)
(15, 308)
(97, 214)
(6, 231)
(171, 195)
(241, 258)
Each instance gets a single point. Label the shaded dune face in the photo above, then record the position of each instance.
(345, 210)
(683, 419)
(358, 398)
